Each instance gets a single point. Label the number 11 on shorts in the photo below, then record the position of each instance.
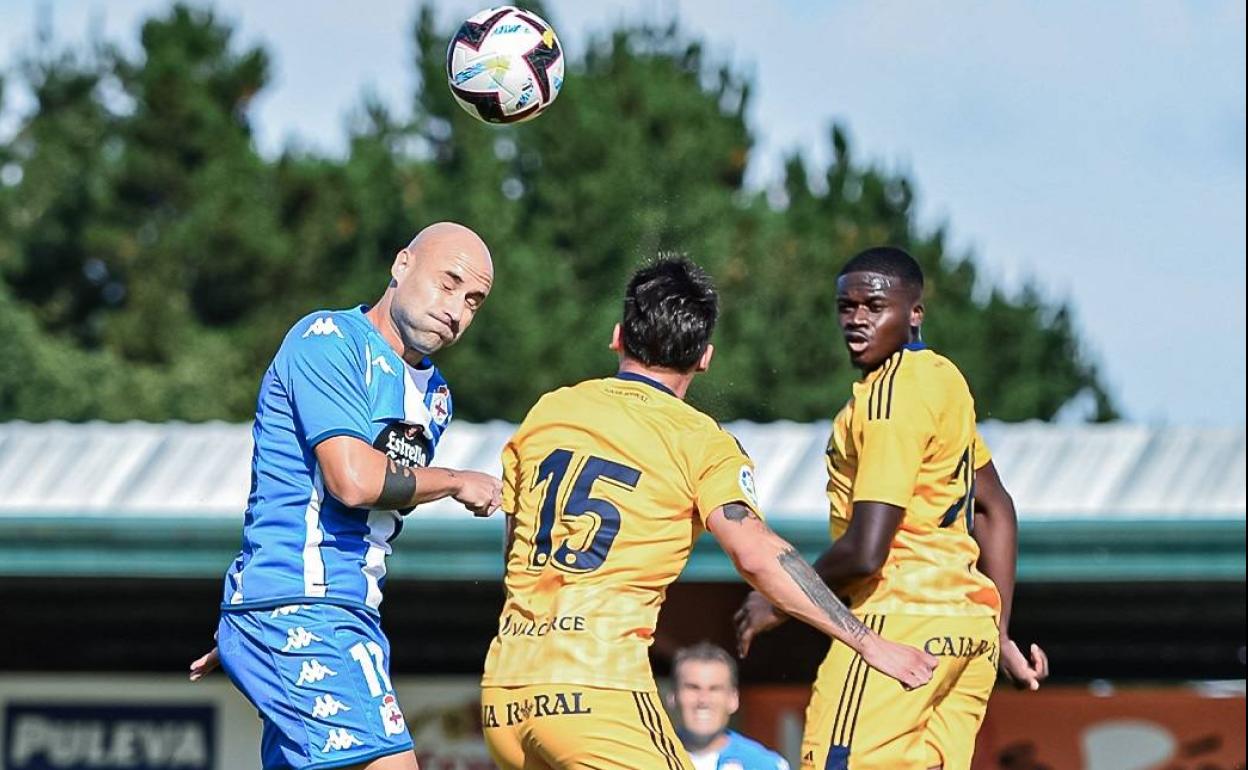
(373, 666)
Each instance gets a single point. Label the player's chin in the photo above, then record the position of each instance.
(862, 359)
(427, 342)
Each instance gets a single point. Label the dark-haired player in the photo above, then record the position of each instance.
(607, 484)
(902, 461)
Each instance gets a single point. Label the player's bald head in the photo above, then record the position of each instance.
(440, 280)
(452, 241)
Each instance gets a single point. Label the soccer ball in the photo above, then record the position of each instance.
(505, 65)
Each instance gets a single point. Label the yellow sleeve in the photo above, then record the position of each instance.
(724, 474)
(892, 448)
(511, 476)
(983, 455)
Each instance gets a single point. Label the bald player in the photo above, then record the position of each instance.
(347, 421)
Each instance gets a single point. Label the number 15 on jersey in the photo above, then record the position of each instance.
(560, 502)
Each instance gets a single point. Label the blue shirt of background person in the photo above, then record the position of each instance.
(704, 697)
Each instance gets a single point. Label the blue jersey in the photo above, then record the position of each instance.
(742, 753)
(334, 375)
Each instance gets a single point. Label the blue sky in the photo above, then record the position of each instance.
(1096, 148)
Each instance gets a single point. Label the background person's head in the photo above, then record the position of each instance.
(670, 310)
(879, 300)
(704, 692)
(440, 280)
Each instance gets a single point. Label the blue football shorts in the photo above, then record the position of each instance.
(320, 677)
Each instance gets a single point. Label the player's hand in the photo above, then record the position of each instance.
(1025, 674)
(755, 616)
(913, 668)
(480, 493)
(204, 665)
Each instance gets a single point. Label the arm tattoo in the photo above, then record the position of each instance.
(398, 488)
(819, 593)
(738, 513)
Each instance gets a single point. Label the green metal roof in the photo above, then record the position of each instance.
(149, 546)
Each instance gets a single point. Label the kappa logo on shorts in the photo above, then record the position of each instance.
(391, 716)
(323, 327)
(340, 739)
(313, 671)
(298, 638)
(289, 609)
(328, 706)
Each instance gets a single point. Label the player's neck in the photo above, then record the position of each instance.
(915, 342)
(676, 382)
(379, 316)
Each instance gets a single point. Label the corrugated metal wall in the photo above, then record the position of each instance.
(1081, 472)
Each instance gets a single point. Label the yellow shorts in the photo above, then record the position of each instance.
(859, 719)
(566, 727)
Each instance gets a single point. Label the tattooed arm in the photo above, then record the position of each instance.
(362, 477)
(773, 567)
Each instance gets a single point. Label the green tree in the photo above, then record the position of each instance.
(152, 260)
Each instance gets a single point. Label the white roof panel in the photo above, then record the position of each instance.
(1105, 472)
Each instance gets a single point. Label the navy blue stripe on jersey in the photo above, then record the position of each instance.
(875, 402)
(655, 728)
(892, 379)
(877, 627)
(635, 377)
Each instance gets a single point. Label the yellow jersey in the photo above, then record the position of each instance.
(609, 483)
(907, 437)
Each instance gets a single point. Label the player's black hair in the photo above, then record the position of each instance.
(670, 309)
(707, 653)
(887, 260)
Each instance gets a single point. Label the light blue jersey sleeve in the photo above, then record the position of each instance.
(324, 375)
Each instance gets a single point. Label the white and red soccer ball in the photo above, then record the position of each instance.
(505, 65)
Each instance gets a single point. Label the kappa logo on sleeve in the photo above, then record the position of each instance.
(381, 363)
(323, 327)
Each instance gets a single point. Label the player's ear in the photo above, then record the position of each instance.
(916, 315)
(704, 362)
(734, 702)
(616, 344)
(402, 261)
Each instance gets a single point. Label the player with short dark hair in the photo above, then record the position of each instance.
(902, 461)
(704, 696)
(348, 418)
(606, 486)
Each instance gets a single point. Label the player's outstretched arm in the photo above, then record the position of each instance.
(362, 477)
(775, 568)
(996, 532)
